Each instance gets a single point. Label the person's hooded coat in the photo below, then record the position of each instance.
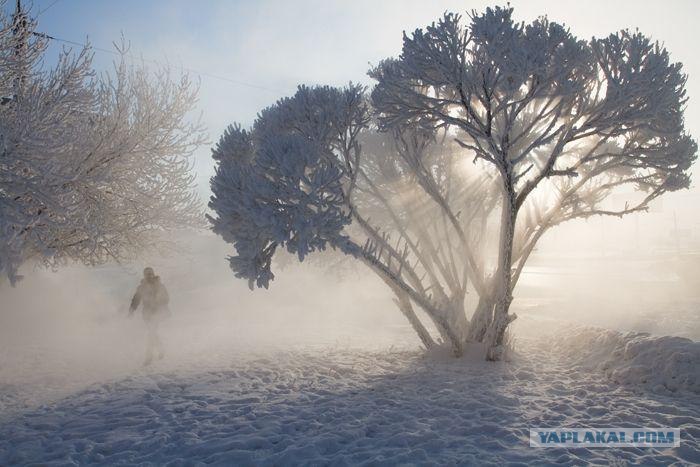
(154, 296)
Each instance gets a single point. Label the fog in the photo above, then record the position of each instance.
(61, 331)
(324, 367)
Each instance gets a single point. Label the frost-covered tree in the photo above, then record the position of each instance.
(561, 122)
(92, 166)
(477, 139)
(314, 172)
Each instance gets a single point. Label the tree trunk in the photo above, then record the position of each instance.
(503, 296)
(404, 304)
(438, 316)
(458, 319)
(481, 320)
(501, 320)
(449, 333)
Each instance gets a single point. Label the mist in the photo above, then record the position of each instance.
(436, 325)
(61, 331)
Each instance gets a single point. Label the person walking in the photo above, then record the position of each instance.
(153, 295)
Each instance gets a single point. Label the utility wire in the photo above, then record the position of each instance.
(43, 10)
(190, 70)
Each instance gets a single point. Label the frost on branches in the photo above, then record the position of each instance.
(91, 165)
(314, 173)
(482, 135)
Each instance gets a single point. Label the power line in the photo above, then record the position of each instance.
(190, 70)
(43, 10)
(114, 52)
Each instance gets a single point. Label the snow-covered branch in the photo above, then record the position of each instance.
(93, 166)
(564, 121)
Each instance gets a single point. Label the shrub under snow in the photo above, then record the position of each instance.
(662, 364)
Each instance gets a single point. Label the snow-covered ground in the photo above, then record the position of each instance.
(279, 378)
(343, 406)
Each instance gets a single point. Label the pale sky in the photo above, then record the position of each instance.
(279, 44)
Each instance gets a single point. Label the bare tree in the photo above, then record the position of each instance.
(92, 166)
(561, 122)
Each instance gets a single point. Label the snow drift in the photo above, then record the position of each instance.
(658, 363)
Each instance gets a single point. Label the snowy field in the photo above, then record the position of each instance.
(278, 386)
(346, 407)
